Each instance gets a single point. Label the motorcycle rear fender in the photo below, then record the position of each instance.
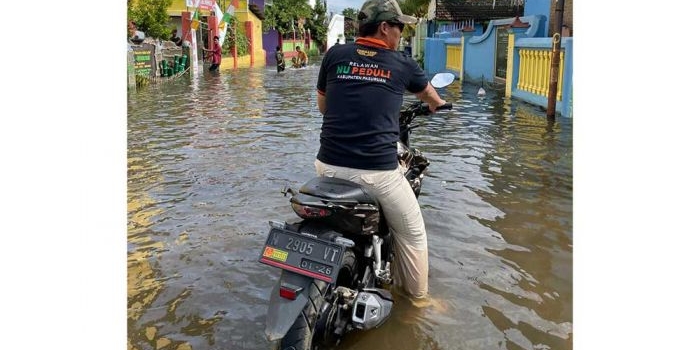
(281, 312)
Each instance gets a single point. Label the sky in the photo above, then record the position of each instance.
(337, 6)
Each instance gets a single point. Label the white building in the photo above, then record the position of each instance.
(336, 30)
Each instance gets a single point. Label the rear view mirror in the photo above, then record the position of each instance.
(441, 80)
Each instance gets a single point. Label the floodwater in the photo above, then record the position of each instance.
(209, 155)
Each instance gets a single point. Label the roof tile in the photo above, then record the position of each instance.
(479, 10)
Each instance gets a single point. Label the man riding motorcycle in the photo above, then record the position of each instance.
(360, 93)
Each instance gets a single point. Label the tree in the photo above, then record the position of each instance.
(416, 8)
(285, 13)
(150, 16)
(318, 24)
(350, 13)
(235, 35)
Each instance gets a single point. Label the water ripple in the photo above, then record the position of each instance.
(208, 156)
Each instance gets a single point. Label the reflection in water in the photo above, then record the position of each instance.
(207, 158)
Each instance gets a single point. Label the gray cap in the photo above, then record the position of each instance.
(383, 10)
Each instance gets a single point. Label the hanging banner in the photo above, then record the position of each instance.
(219, 18)
(203, 4)
(227, 18)
(207, 4)
(194, 24)
(193, 46)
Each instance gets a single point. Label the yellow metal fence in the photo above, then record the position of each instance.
(534, 71)
(454, 58)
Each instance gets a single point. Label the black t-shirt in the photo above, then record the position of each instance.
(279, 56)
(363, 83)
(176, 40)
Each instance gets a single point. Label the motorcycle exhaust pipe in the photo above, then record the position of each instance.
(372, 308)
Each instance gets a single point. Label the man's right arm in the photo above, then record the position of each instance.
(431, 97)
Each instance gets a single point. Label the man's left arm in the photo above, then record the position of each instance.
(321, 85)
(321, 102)
(427, 94)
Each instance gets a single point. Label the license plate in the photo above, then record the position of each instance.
(301, 254)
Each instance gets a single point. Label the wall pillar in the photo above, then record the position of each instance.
(234, 49)
(516, 30)
(467, 33)
(249, 35)
(130, 69)
(307, 43)
(187, 36)
(186, 26)
(435, 55)
(213, 24)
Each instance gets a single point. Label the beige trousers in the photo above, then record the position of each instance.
(404, 218)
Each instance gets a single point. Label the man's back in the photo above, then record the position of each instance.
(363, 84)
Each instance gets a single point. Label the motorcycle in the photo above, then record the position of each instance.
(336, 260)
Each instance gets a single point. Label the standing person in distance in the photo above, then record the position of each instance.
(215, 55)
(279, 56)
(360, 93)
(174, 38)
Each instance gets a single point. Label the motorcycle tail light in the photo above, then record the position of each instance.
(289, 292)
(307, 212)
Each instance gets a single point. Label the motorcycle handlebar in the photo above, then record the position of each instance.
(419, 109)
(447, 105)
(423, 109)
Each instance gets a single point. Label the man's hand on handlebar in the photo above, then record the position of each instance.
(433, 105)
(422, 108)
(431, 97)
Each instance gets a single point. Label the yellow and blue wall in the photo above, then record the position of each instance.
(472, 59)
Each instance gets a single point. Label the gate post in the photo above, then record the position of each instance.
(467, 33)
(251, 45)
(515, 30)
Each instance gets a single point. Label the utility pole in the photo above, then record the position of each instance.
(554, 68)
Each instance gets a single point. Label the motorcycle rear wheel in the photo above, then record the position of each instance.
(301, 335)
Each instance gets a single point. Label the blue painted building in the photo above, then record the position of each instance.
(515, 51)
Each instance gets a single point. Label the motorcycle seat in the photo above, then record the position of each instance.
(338, 189)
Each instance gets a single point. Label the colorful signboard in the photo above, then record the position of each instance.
(144, 64)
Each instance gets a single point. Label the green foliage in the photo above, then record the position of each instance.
(150, 16)
(236, 37)
(416, 8)
(420, 59)
(317, 24)
(351, 13)
(285, 13)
